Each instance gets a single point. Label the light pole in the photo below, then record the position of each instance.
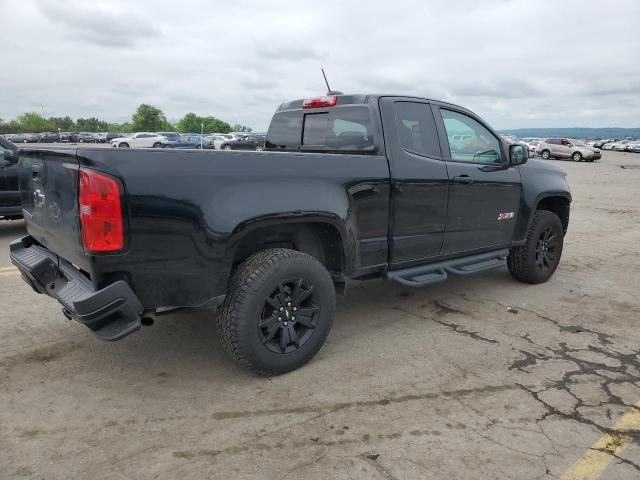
(59, 135)
(201, 134)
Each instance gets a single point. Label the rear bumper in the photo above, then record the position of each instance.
(111, 313)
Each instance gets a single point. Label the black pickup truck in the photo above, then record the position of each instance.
(349, 187)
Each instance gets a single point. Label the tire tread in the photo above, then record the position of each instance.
(244, 281)
(517, 259)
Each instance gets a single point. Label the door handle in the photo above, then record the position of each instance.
(466, 179)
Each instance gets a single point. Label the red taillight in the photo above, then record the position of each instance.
(320, 102)
(100, 212)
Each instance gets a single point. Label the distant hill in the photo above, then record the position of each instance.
(575, 132)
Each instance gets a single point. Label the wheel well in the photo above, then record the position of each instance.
(320, 240)
(559, 206)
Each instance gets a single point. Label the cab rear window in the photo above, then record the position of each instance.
(347, 128)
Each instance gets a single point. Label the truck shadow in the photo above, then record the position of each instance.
(185, 344)
(10, 229)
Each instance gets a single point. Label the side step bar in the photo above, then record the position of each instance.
(422, 275)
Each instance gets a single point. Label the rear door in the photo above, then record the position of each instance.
(419, 180)
(484, 192)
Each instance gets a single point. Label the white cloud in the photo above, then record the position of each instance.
(516, 63)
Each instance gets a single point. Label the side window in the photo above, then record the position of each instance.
(416, 128)
(284, 131)
(476, 143)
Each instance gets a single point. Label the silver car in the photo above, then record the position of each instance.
(566, 148)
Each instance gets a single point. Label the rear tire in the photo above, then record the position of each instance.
(123, 145)
(536, 260)
(257, 322)
(545, 154)
(157, 145)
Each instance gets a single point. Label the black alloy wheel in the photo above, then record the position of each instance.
(278, 311)
(536, 260)
(289, 316)
(547, 249)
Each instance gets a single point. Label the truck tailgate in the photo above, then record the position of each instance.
(49, 194)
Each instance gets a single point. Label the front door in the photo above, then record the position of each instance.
(419, 180)
(484, 192)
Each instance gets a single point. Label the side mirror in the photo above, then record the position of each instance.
(518, 154)
(8, 157)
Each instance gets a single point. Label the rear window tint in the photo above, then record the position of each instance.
(341, 128)
(285, 131)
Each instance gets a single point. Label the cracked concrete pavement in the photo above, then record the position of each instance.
(481, 377)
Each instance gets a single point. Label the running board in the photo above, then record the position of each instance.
(433, 273)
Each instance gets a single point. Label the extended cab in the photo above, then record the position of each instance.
(349, 187)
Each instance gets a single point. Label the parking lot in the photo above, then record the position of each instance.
(481, 377)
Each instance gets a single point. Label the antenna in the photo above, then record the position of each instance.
(329, 91)
(325, 80)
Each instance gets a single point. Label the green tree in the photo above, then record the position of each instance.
(193, 123)
(33, 123)
(91, 124)
(241, 128)
(149, 119)
(63, 123)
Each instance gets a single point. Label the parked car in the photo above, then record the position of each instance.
(633, 146)
(566, 148)
(600, 143)
(140, 140)
(171, 136)
(250, 142)
(25, 138)
(191, 141)
(620, 146)
(608, 145)
(217, 140)
(10, 204)
(378, 192)
(87, 137)
(49, 137)
(111, 135)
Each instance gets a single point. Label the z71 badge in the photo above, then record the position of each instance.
(506, 215)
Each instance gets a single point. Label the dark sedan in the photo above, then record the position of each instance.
(250, 142)
(191, 141)
(10, 205)
(25, 138)
(49, 137)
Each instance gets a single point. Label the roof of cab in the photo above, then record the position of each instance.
(363, 99)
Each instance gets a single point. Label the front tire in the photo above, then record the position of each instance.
(545, 154)
(278, 311)
(157, 145)
(577, 157)
(536, 260)
(226, 147)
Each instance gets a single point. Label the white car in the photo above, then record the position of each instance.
(217, 140)
(620, 146)
(141, 140)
